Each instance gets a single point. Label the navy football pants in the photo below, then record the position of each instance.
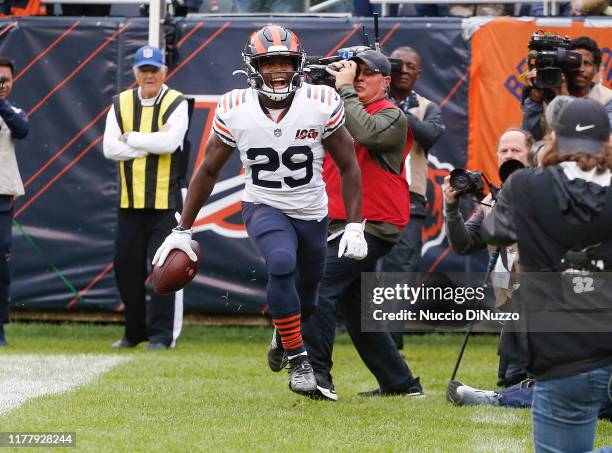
(294, 251)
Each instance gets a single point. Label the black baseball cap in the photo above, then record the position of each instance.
(374, 60)
(583, 126)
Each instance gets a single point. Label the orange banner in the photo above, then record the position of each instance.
(499, 51)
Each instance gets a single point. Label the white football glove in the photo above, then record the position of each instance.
(353, 244)
(178, 239)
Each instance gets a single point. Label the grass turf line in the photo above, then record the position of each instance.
(216, 393)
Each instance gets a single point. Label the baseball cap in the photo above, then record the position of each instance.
(374, 60)
(149, 56)
(583, 126)
(554, 109)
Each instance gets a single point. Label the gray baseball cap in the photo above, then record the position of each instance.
(554, 109)
(374, 60)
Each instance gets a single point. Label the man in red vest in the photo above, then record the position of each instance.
(382, 141)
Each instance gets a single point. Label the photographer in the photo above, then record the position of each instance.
(579, 82)
(13, 125)
(425, 120)
(382, 141)
(465, 238)
(555, 214)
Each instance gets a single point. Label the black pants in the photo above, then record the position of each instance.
(341, 291)
(139, 233)
(405, 256)
(6, 217)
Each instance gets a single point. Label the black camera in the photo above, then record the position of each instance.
(315, 66)
(315, 72)
(467, 182)
(549, 53)
(509, 167)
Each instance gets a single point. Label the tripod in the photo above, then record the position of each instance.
(470, 327)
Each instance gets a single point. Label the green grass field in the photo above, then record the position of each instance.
(215, 393)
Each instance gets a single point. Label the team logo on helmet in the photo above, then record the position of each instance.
(271, 41)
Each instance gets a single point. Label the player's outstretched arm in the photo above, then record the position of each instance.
(340, 147)
(200, 187)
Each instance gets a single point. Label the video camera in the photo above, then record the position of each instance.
(315, 66)
(549, 53)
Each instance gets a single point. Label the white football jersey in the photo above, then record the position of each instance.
(283, 160)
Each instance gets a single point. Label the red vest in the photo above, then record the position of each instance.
(384, 195)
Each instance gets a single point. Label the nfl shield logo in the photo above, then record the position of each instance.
(147, 53)
(278, 132)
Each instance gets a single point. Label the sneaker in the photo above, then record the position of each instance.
(301, 376)
(123, 343)
(460, 394)
(324, 394)
(414, 389)
(277, 356)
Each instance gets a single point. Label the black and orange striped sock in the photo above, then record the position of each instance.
(290, 331)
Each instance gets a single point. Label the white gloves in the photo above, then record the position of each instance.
(353, 243)
(178, 239)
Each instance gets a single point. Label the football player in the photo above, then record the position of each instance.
(282, 128)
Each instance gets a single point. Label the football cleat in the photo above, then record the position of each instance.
(301, 376)
(277, 356)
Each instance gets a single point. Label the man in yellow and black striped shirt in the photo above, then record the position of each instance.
(145, 129)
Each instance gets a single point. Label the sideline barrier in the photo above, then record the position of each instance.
(68, 69)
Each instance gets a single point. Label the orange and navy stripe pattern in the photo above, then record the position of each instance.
(223, 132)
(276, 36)
(326, 95)
(272, 35)
(229, 100)
(290, 331)
(256, 44)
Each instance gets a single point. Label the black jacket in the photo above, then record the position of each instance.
(548, 214)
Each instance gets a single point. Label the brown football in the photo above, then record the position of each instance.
(177, 271)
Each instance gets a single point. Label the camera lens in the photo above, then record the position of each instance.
(459, 180)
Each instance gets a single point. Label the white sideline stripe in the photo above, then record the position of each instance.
(27, 376)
